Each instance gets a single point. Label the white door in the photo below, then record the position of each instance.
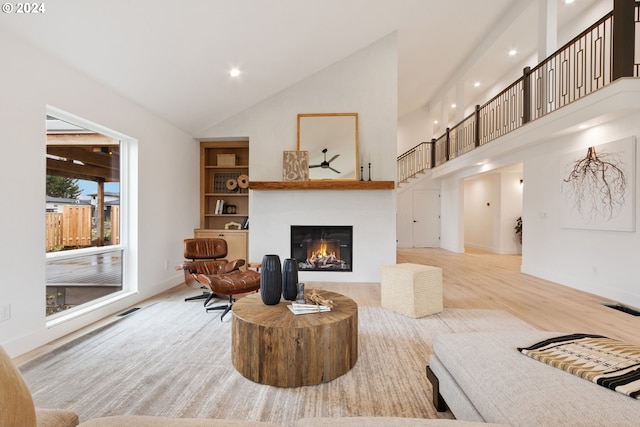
(426, 218)
(404, 219)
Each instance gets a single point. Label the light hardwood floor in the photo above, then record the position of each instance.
(475, 279)
(485, 280)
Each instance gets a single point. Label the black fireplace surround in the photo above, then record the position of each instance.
(322, 247)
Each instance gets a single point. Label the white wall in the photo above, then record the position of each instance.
(600, 262)
(452, 214)
(366, 83)
(167, 163)
(596, 261)
(413, 129)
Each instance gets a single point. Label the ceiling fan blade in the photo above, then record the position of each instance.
(333, 169)
(314, 166)
(333, 158)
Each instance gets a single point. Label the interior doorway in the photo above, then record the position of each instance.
(492, 204)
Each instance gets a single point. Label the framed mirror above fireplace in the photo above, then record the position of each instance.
(332, 142)
(322, 247)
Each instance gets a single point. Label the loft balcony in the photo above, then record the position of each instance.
(600, 55)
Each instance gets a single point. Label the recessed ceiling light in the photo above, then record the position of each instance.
(583, 126)
(453, 105)
(234, 72)
(476, 84)
(568, 1)
(512, 52)
(435, 122)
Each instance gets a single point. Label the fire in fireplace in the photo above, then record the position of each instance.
(322, 247)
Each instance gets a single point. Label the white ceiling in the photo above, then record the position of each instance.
(173, 57)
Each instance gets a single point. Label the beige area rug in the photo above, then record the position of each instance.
(174, 359)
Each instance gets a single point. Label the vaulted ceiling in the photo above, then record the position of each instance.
(173, 57)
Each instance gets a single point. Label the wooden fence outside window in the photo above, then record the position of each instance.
(72, 228)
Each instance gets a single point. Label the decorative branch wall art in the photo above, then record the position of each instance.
(597, 184)
(598, 187)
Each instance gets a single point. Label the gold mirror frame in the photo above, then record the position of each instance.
(332, 142)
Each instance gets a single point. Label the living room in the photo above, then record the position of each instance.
(158, 197)
(601, 262)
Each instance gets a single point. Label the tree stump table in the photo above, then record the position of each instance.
(271, 345)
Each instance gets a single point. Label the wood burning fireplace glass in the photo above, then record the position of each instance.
(322, 247)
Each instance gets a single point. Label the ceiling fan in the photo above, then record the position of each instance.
(326, 164)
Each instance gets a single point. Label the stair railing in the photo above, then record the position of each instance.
(601, 54)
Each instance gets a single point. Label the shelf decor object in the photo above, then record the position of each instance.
(226, 159)
(243, 181)
(300, 299)
(228, 182)
(295, 166)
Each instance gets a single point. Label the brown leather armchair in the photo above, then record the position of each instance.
(230, 284)
(205, 256)
(205, 269)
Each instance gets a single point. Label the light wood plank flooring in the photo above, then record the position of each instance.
(485, 280)
(475, 279)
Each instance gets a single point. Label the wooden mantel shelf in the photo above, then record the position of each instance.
(322, 185)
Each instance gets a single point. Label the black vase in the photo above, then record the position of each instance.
(270, 279)
(289, 279)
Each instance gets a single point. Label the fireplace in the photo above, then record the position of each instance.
(322, 247)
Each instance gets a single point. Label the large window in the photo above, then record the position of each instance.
(84, 222)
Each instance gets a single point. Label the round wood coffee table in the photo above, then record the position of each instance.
(270, 345)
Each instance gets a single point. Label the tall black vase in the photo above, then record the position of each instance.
(289, 279)
(270, 279)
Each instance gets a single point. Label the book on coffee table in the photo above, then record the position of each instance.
(307, 308)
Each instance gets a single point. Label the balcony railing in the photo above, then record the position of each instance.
(595, 58)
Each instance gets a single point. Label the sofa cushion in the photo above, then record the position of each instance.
(149, 421)
(383, 422)
(508, 387)
(16, 404)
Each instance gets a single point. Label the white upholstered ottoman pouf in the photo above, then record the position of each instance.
(411, 289)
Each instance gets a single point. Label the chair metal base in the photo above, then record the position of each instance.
(226, 308)
(206, 295)
(198, 297)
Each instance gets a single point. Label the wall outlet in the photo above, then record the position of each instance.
(166, 265)
(5, 312)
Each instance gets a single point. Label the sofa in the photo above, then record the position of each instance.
(17, 410)
(144, 421)
(482, 377)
